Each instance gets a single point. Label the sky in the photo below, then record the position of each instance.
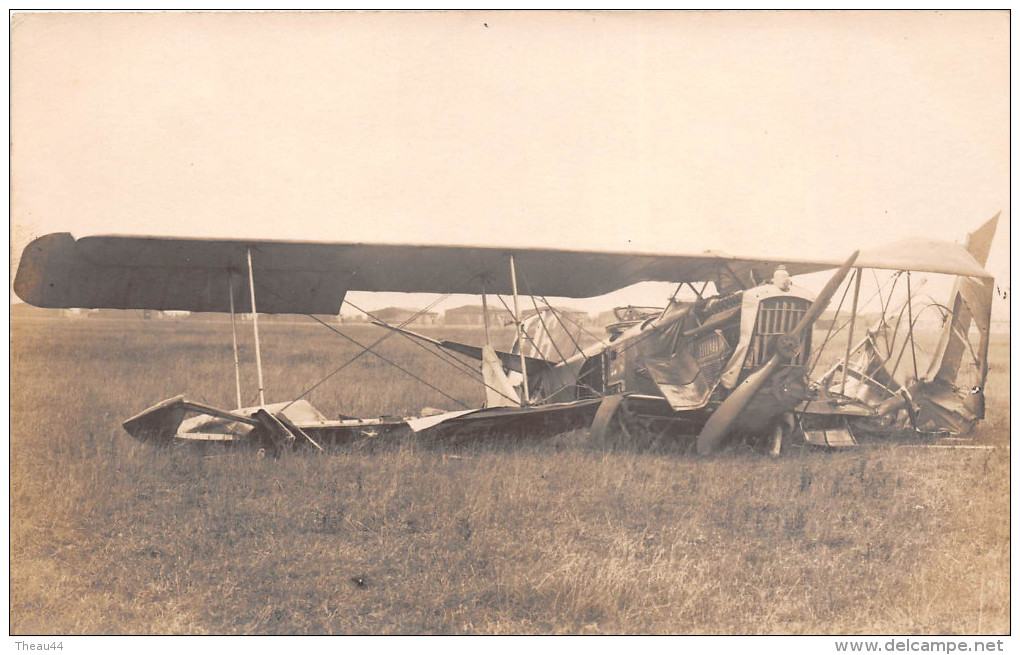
(759, 133)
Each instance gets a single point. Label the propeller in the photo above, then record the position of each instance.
(720, 422)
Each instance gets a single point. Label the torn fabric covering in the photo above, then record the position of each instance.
(972, 300)
(499, 392)
(425, 422)
(867, 379)
(688, 377)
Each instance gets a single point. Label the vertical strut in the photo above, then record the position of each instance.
(850, 336)
(520, 333)
(910, 334)
(233, 333)
(255, 327)
(485, 314)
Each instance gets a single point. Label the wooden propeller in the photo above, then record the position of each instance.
(720, 422)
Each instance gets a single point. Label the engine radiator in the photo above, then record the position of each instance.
(777, 316)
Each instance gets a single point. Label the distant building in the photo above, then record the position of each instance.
(404, 316)
(472, 315)
(351, 318)
(565, 314)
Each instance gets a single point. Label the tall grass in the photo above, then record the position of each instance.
(109, 536)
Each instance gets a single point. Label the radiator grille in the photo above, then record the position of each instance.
(711, 353)
(777, 316)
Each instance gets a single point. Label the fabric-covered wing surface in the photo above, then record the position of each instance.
(294, 277)
(164, 274)
(125, 272)
(923, 255)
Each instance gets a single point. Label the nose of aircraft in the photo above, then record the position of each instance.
(720, 422)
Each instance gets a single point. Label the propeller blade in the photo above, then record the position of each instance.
(600, 426)
(718, 424)
(825, 295)
(722, 419)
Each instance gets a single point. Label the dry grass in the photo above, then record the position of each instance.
(108, 536)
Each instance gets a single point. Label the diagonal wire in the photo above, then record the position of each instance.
(579, 326)
(545, 327)
(563, 325)
(833, 330)
(370, 349)
(458, 364)
(847, 321)
(829, 334)
(455, 362)
(523, 331)
(365, 349)
(910, 317)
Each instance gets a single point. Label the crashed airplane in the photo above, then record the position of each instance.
(732, 358)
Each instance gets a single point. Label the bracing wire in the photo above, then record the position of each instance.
(371, 349)
(458, 364)
(833, 330)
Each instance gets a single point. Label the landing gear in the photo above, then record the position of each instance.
(634, 423)
(782, 431)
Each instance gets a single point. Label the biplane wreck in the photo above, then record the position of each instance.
(733, 357)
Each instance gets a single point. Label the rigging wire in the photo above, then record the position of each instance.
(563, 325)
(885, 332)
(545, 327)
(443, 356)
(910, 314)
(831, 333)
(579, 326)
(523, 332)
(527, 288)
(370, 349)
(459, 365)
(365, 349)
(908, 340)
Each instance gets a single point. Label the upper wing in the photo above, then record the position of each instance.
(121, 272)
(923, 255)
(118, 272)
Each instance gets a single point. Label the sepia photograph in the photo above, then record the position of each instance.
(681, 323)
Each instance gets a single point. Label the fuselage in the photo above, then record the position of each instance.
(691, 355)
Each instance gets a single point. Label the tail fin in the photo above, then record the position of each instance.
(942, 403)
(971, 300)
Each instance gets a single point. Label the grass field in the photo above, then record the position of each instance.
(109, 536)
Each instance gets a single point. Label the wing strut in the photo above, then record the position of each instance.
(850, 334)
(485, 315)
(520, 333)
(910, 318)
(233, 333)
(255, 327)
